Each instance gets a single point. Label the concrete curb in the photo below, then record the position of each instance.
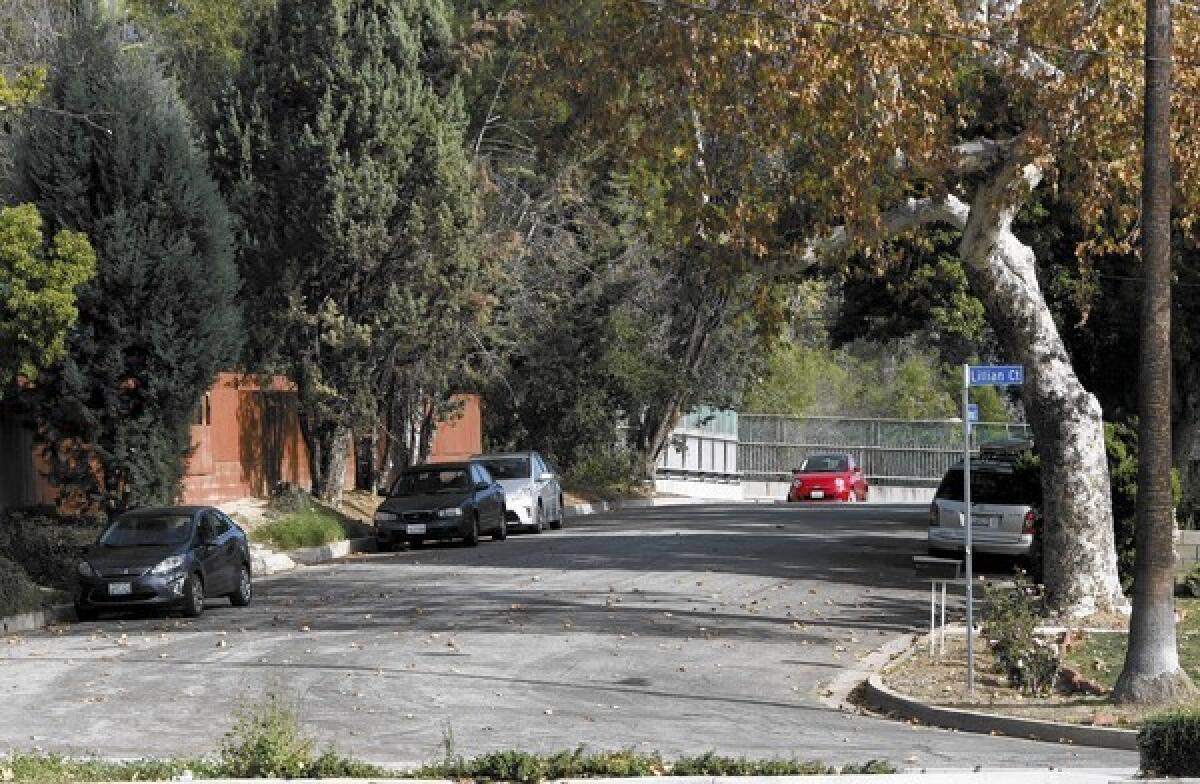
(315, 555)
(26, 622)
(884, 699)
(599, 507)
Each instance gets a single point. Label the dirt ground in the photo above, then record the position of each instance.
(942, 681)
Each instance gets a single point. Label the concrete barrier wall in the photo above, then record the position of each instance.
(700, 488)
(878, 494)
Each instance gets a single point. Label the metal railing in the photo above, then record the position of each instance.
(899, 451)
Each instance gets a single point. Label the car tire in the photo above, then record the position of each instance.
(472, 538)
(193, 596)
(539, 524)
(245, 590)
(501, 532)
(416, 544)
(84, 612)
(558, 524)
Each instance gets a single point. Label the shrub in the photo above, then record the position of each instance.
(1170, 743)
(1010, 620)
(714, 765)
(606, 473)
(267, 741)
(47, 545)
(312, 526)
(18, 594)
(52, 769)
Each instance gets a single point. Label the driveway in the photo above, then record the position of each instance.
(675, 629)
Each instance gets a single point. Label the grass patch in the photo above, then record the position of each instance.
(1101, 655)
(310, 526)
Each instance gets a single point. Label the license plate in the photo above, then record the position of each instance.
(120, 589)
(415, 528)
(817, 494)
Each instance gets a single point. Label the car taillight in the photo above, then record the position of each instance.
(933, 514)
(1030, 519)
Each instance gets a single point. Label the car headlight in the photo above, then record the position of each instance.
(453, 512)
(168, 565)
(86, 570)
(385, 517)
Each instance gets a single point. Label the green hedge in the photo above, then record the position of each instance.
(1170, 743)
(18, 594)
(45, 545)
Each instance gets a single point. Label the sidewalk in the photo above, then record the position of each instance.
(983, 776)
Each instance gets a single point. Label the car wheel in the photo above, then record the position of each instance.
(416, 544)
(501, 532)
(85, 612)
(539, 524)
(193, 596)
(245, 590)
(558, 524)
(472, 539)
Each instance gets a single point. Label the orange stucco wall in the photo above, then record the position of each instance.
(460, 436)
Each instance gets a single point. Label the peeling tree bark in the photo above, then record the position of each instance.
(1080, 557)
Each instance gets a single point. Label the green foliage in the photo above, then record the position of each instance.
(1169, 743)
(46, 544)
(342, 152)
(608, 473)
(864, 380)
(527, 768)
(18, 594)
(311, 526)
(37, 291)
(159, 318)
(1010, 618)
(54, 769)
(267, 741)
(1121, 446)
(203, 42)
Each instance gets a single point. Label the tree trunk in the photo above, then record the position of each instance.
(335, 449)
(1080, 559)
(1152, 673)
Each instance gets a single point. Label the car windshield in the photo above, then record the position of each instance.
(988, 486)
(817, 464)
(148, 530)
(507, 467)
(431, 481)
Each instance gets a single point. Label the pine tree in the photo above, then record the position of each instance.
(116, 161)
(343, 155)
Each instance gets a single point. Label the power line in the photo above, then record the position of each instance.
(886, 29)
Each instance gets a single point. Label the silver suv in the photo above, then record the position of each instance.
(1003, 516)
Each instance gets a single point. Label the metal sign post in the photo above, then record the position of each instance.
(967, 523)
(977, 376)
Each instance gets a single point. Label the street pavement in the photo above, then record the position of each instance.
(675, 629)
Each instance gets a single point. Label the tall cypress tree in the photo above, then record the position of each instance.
(118, 162)
(343, 155)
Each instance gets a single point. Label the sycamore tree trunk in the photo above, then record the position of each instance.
(1152, 673)
(1080, 558)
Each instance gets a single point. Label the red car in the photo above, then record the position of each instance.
(831, 477)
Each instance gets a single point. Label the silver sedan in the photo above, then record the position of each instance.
(532, 492)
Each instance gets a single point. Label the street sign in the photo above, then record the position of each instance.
(972, 412)
(997, 375)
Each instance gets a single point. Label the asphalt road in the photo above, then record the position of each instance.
(676, 629)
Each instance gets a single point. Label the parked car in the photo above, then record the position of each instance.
(1003, 510)
(175, 556)
(441, 501)
(829, 477)
(531, 486)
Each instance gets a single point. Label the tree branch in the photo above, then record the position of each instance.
(913, 213)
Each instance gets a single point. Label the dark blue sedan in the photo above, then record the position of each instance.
(169, 557)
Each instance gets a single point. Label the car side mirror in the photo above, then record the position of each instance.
(482, 486)
(545, 476)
